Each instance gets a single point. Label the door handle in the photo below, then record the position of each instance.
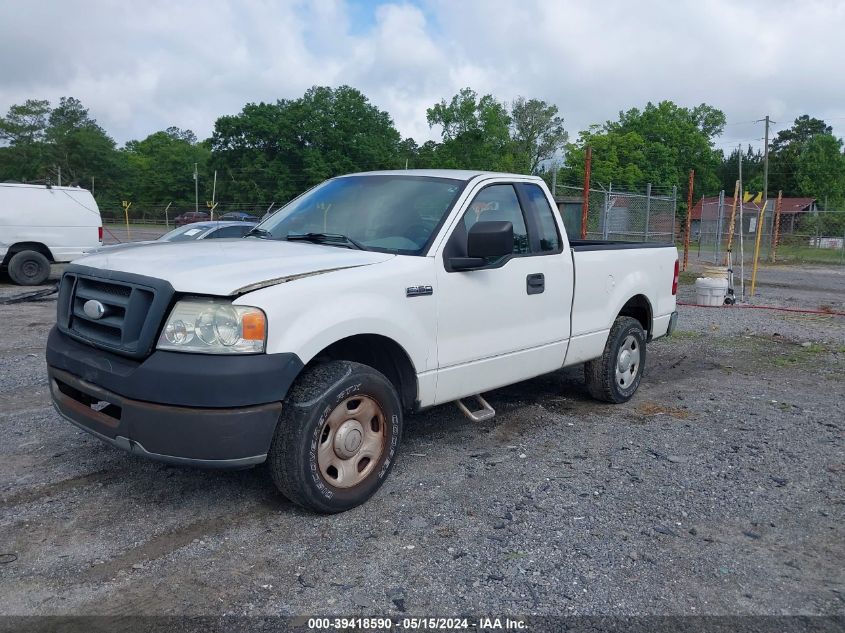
(535, 283)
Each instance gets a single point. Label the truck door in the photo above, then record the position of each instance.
(510, 320)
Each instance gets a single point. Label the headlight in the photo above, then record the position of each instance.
(213, 326)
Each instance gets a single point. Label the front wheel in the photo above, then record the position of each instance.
(615, 376)
(337, 436)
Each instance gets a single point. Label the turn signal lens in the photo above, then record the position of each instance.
(254, 326)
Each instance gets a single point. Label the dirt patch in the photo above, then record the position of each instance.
(649, 409)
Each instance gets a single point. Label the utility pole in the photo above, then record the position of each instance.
(765, 200)
(196, 190)
(766, 163)
(60, 175)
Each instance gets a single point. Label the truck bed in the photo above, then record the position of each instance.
(605, 281)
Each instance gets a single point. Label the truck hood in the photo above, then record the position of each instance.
(230, 267)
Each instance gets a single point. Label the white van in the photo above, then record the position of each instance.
(40, 225)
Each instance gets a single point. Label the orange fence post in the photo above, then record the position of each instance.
(689, 216)
(585, 203)
(776, 235)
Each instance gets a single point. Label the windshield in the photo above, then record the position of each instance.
(391, 213)
(185, 233)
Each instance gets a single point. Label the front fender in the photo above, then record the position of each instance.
(307, 315)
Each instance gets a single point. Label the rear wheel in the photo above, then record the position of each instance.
(616, 375)
(29, 268)
(337, 437)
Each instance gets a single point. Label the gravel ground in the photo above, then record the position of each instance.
(717, 490)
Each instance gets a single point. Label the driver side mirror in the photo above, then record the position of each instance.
(485, 240)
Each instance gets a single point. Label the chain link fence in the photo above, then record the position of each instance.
(800, 235)
(620, 215)
(164, 215)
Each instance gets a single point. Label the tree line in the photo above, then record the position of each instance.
(271, 152)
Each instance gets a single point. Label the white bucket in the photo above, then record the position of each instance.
(710, 292)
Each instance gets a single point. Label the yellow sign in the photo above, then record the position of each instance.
(126, 206)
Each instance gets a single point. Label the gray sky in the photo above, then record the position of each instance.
(143, 66)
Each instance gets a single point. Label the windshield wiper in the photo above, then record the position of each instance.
(262, 233)
(326, 238)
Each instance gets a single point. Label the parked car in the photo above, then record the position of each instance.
(207, 231)
(190, 232)
(41, 225)
(306, 343)
(190, 217)
(239, 216)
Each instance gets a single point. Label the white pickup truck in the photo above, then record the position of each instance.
(367, 297)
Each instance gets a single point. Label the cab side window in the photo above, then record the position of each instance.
(499, 203)
(549, 236)
(229, 231)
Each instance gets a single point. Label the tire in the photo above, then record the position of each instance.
(322, 456)
(29, 268)
(605, 379)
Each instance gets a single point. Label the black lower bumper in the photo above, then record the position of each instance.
(181, 408)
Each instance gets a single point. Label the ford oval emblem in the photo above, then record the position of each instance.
(93, 309)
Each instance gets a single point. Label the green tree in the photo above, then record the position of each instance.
(79, 147)
(537, 133)
(475, 132)
(786, 150)
(617, 158)
(183, 135)
(22, 132)
(343, 132)
(159, 170)
(271, 152)
(25, 123)
(658, 144)
(821, 170)
(752, 170)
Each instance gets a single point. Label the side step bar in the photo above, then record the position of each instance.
(484, 413)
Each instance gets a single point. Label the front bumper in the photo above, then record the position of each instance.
(212, 411)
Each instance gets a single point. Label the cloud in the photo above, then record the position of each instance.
(179, 63)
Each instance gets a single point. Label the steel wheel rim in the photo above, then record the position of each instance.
(351, 442)
(30, 268)
(627, 362)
